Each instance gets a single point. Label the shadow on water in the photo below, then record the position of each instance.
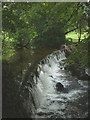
(13, 70)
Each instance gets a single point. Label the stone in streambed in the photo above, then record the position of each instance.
(59, 87)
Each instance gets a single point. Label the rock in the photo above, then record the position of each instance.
(87, 71)
(42, 62)
(59, 86)
(68, 48)
(36, 73)
(51, 76)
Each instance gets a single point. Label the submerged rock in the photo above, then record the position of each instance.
(59, 86)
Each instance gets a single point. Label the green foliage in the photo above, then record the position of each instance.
(79, 56)
(7, 44)
(52, 37)
(16, 24)
(35, 24)
(73, 36)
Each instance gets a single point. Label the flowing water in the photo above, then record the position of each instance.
(48, 102)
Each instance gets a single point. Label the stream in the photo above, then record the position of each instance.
(48, 101)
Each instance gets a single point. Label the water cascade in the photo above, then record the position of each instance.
(55, 92)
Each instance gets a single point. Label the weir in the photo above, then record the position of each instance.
(55, 93)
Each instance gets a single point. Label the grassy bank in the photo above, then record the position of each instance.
(74, 36)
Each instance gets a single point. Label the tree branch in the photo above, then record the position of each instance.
(71, 30)
(74, 11)
(26, 44)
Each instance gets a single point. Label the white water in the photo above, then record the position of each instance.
(50, 102)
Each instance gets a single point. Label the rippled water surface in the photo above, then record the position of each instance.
(72, 102)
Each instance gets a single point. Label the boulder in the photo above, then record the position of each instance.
(59, 87)
(68, 48)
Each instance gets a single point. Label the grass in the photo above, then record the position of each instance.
(74, 36)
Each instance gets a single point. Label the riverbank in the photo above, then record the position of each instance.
(54, 103)
(14, 73)
(77, 59)
(16, 70)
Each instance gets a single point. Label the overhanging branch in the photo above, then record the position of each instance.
(71, 30)
(74, 11)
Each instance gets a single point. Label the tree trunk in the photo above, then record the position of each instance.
(79, 31)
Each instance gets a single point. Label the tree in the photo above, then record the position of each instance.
(16, 24)
(31, 23)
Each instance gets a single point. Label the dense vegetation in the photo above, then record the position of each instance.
(31, 24)
(39, 27)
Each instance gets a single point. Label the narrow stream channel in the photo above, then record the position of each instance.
(49, 102)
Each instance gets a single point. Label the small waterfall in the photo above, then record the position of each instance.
(47, 71)
(48, 102)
